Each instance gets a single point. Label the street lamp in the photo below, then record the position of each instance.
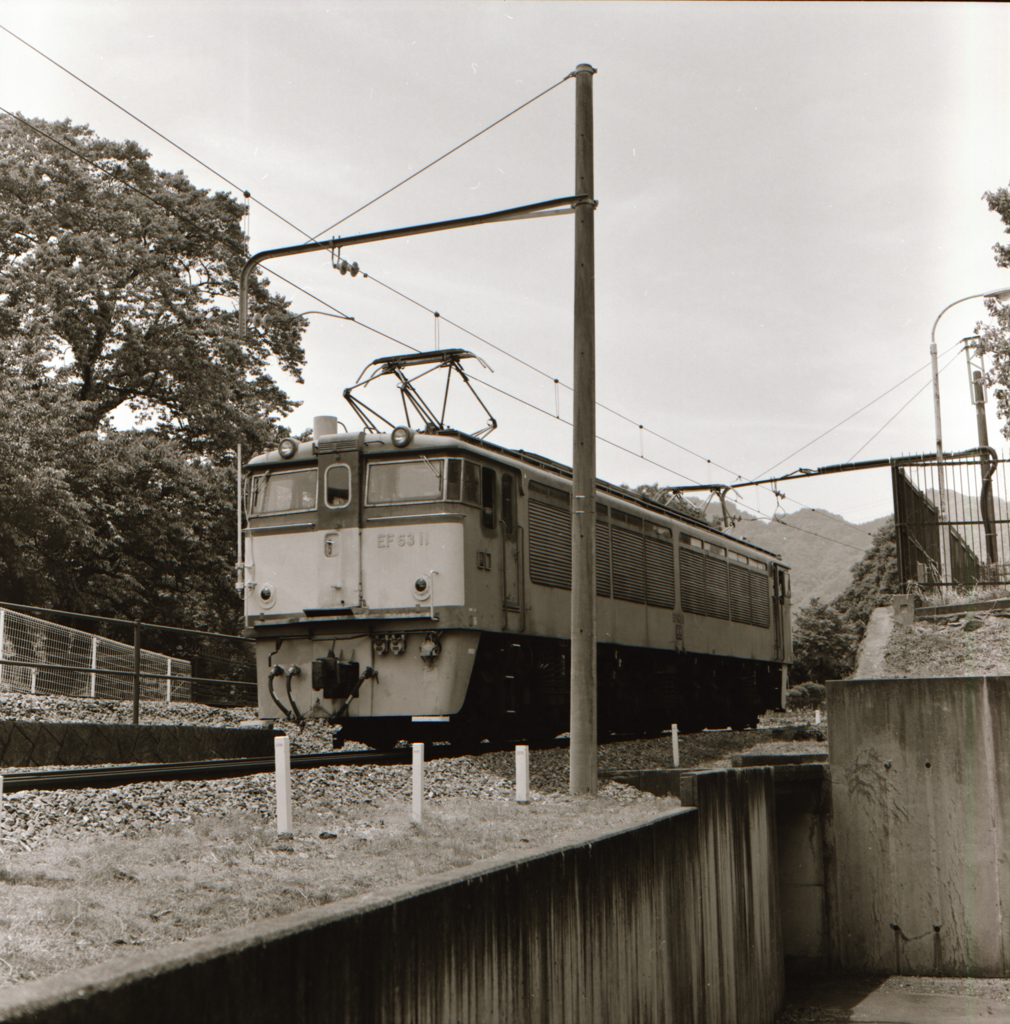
(1002, 295)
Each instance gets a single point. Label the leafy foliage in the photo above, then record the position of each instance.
(118, 287)
(824, 645)
(826, 637)
(118, 283)
(994, 336)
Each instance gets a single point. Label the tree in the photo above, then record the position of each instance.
(824, 646)
(118, 283)
(994, 336)
(826, 638)
(117, 291)
(874, 580)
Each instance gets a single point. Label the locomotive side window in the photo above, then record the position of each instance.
(338, 485)
(453, 480)
(508, 512)
(393, 483)
(291, 491)
(471, 483)
(487, 488)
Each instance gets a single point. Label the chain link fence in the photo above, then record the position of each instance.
(49, 659)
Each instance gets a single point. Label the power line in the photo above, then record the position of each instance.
(248, 195)
(900, 411)
(244, 192)
(427, 166)
(614, 444)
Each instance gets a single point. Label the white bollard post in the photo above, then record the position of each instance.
(522, 774)
(676, 745)
(418, 780)
(817, 716)
(282, 760)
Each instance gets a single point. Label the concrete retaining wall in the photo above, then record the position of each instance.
(674, 921)
(921, 803)
(31, 744)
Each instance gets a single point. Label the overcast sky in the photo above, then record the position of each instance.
(789, 194)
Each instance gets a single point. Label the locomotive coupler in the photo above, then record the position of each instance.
(369, 673)
(335, 677)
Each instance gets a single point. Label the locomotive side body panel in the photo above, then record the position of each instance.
(399, 553)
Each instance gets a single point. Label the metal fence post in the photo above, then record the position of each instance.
(136, 672)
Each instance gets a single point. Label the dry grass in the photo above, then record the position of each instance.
(70, 904)
(981, 594)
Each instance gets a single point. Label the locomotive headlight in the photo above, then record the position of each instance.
(267, 596)
(421, 585)
(288, 448)
(402, 436)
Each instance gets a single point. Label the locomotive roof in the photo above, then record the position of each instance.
(382, 444)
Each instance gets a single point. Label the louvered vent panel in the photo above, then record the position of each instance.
(602, 559)
(340, 444)
(692, 581)
(629, 565)
(550, 545)
(659, 573)
(759, 599)
(739, 594)
(716, 593)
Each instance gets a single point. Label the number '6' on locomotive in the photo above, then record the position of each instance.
(416, 585)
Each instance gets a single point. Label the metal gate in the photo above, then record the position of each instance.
(952, 518)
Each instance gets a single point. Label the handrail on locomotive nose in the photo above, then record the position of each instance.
(545, 209)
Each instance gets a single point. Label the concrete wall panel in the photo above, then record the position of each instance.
(674, 921)
(921, 803)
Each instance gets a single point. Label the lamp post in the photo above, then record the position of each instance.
(945, 568)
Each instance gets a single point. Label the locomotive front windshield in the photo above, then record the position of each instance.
(287, 491)
(391, 483)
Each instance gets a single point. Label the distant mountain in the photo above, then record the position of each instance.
(819, 547)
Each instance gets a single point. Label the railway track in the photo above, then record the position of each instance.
(107, 776)
(104, 776)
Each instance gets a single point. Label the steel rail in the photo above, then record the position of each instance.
(106, 776)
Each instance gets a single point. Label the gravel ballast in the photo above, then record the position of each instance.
(30, 816)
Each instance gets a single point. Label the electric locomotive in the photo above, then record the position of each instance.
(415, 584)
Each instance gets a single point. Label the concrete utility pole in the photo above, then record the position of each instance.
(582, 751)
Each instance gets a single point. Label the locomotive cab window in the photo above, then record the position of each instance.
(395, 483)
(289, 491)
(338, 485)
